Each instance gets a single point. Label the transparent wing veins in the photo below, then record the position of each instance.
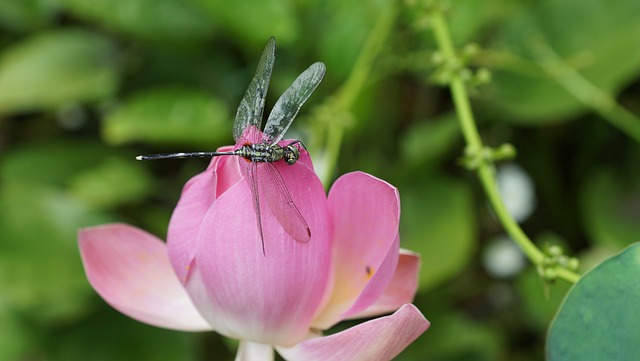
(250, 110)
(287, 107)
(252, 175)
(282, 206)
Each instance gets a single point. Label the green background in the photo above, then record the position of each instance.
(85, 86)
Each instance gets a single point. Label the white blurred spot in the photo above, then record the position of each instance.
(502, 258)
(516, 190)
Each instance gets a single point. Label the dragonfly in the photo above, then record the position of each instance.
(261, 149)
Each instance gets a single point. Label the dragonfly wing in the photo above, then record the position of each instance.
(252, 178)
(291, 101)
(250, 110)
(275, 191)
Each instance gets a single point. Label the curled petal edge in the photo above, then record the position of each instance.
(366, 214)
(401, 290)
(129, 268)
(380, 339)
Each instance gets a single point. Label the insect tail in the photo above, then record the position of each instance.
(182, 155)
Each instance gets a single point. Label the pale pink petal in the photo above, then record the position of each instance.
(365, 213)
(402, 288)
(268, 298)
(227, 174)
(251, 351)
(378, 282)
(130, 269)
(197, 197)
(214, 164)
(380, 339)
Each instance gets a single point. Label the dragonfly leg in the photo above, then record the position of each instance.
(299, 142)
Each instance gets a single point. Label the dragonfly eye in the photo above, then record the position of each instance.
(291, 154)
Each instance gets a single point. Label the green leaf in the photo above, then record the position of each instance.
(457, 337)
(52, 163)
(467, 17)
(344, 34)
(40, 268)
(54, 68)
(111, 183)
(25, 15)
(426, 142)
(159, 20)
(599, 319)
(109, 335)
(16, 339)
(595, 42)
(610, 209)
(170, 116)
(253, 21)
(438, 222)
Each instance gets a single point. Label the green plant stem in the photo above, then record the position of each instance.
(352, 87)
(472, 137)
(567, 275)
(585, 91)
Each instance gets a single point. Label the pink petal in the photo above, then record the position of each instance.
(266, 299)
(380, 339)
(227, 174)
(378, 282)
(365, 212)
(130, 269)
(251, 134)
(197, 197)
(402, 288)
(251, 351)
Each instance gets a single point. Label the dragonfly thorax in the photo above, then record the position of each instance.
(268, 153)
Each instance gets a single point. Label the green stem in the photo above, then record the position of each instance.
(567, 275)
(353, 86)
(472, 137)
(458, 89)
(583, 90)
(487, 178)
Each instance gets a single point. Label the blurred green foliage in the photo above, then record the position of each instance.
(590, 35)
(85, 86)
(51, 69)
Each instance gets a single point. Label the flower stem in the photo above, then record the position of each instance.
(348, 93)
(585, 91)
(474, 142)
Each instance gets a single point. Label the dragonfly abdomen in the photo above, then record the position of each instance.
(261, 152)
(269, 153)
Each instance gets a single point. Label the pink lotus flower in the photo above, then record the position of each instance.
(212, 273)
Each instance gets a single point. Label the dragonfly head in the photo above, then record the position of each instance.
(291, 154)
